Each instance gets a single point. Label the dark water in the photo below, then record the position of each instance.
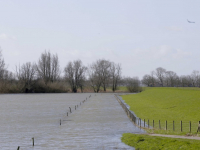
(97, 124)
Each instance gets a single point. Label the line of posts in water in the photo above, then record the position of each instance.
(76, 106)
(70, 110)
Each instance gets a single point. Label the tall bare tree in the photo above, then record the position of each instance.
(104, 66)
(115, 73)
(95, 77)
(48, 67)
(195, 76)
(75, 75)
(160, 73)
(171, 78)
(26, 75)
(146, 80)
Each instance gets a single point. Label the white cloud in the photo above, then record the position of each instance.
(4, 36)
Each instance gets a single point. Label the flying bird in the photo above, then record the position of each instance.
(190, 21)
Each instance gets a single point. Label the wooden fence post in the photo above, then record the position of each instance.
(173, 126)
(33, 141)
(70, 109)
(140, 122)
(181, 126)
(148, 123)
(198, 129)
(153, 123)
(166, 124)
(159, 125)
(190, 126)
(144, 123)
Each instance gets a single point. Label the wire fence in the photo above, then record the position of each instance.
(168, 125)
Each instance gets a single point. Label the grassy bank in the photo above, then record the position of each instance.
(171, 104)
(152, 143)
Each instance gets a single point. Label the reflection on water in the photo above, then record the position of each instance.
(97, 124)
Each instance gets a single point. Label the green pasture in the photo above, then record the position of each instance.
(162, 143)
(171, 104)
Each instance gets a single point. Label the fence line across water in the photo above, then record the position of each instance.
(70, 110)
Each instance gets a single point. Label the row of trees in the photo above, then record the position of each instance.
(162, 77)
(45, 75)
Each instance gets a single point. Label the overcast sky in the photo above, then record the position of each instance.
(141, 35)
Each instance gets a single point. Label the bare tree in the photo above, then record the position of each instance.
(171, 78)
(95, 77)
(185, 81)
(104, 66)
(99, 74)
(195, 78)
(75, 75)
(160, 73)
(48, 67)
(146, 80)
(115, 72)
(26, 75)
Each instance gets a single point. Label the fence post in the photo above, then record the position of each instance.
(70, 109)
(166, 124)
(198, 130)
(153, 123)
(173, 126)
(159, 125)
(148, 123)
(181, 126)
(190, 126)
(33, 141)
(140, 122)
(144, 123)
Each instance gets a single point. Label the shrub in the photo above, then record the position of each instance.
(133, 85)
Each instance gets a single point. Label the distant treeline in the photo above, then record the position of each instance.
(162, 77)
(45, 76)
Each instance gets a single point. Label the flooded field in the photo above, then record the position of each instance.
(96, 124)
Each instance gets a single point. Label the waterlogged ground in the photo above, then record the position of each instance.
(97, 124)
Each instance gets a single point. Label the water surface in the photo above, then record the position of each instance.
(97, 124)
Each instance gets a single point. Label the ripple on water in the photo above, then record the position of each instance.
(97, 124)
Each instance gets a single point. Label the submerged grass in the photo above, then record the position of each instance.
(152, 143)
(171, 104)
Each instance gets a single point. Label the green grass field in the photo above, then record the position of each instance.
(167, 104)
(162, 143)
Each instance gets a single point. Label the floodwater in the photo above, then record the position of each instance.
(98, 123)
